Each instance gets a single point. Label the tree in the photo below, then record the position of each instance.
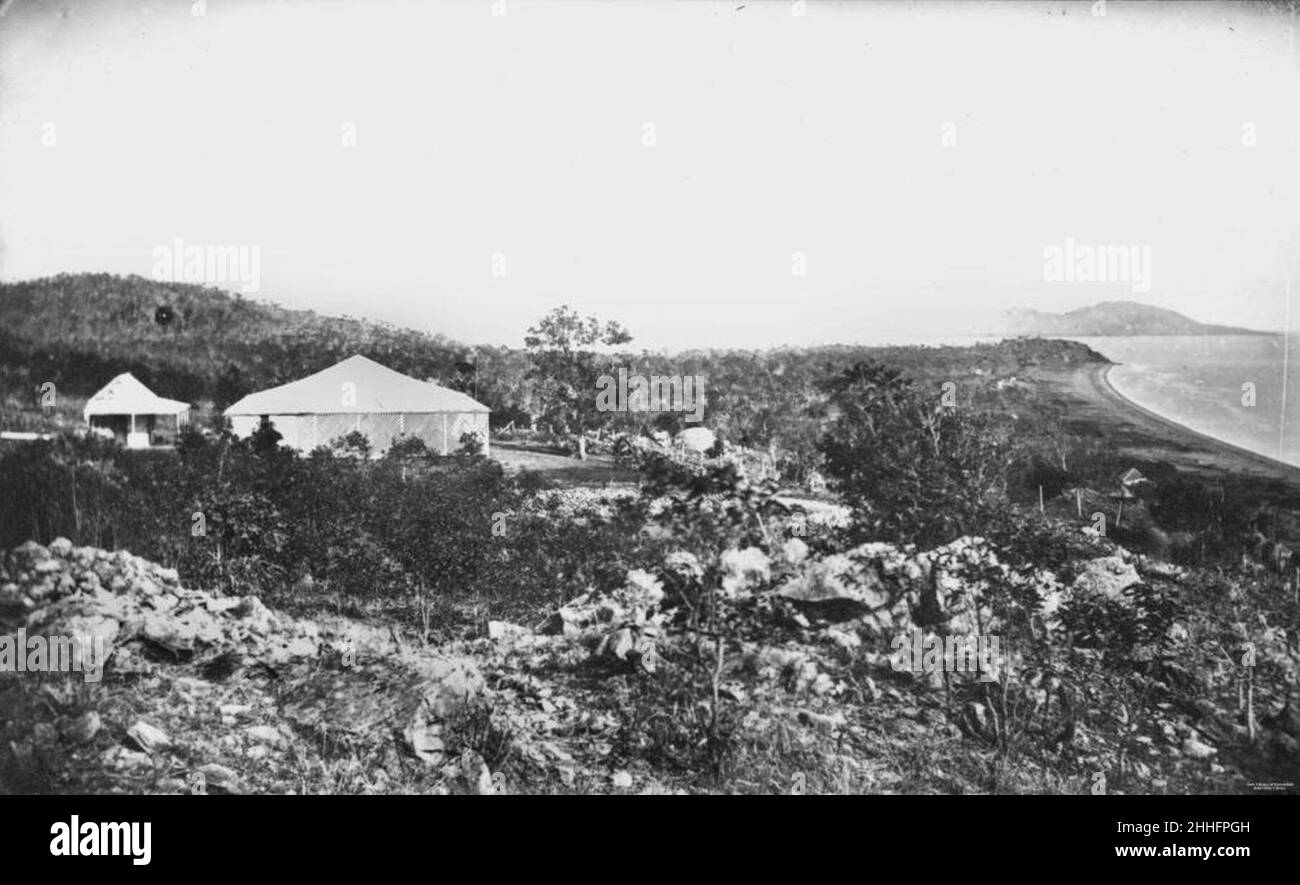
(912, 469)
(566, 368)
(265, 438)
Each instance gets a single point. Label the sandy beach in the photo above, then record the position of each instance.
(1090, 399)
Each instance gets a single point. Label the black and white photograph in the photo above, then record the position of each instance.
(544, 397)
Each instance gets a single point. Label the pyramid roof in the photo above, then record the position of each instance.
(375, 389)
(126, 395)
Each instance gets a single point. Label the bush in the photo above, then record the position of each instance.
(911, 469)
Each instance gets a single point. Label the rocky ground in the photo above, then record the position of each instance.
(213, 693)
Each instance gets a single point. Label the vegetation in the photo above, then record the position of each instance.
(927, 448)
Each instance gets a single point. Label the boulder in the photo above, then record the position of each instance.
(836, 589)
(1107, 576)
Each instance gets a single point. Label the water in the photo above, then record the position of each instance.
(1197, 381)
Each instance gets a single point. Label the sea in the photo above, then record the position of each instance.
(1242, 389)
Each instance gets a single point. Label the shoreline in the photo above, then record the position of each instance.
(1095, 406)
(1181, 432)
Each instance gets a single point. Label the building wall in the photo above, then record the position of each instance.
(440, 431)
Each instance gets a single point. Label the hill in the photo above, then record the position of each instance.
(191, 342)
(1111, 318)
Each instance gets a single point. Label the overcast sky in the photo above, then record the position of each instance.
(519, 143)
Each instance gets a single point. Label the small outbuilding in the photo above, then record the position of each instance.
(361, 395)
(134, 414)
(1133, 481)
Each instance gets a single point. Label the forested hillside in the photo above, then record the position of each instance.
(190, 342)
(207, 346)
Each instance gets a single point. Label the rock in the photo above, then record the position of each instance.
(182, 632)
(836, 589)
(164, 603)
(822, 684)
(743, 571)
(92, 626)
(218, 778)
(256, 617)
(167, 576)
(826, 722)
(122, 759)
(642, 591)
(1159, 569)
(1108, 576)
(147, 737)
(617, 645)
(449, 683)
(733, 689)
(846, 640)
(424, 739)
(564, 621)
(264, 734)
(1196, 749)
(794, 551)
(82, 729)
(476, 775)
(684, 565)
(301, 647)
(28, 553)
(500, 631)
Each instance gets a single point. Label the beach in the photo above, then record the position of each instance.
(1094, 405)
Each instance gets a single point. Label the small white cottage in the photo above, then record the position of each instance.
(134, 414)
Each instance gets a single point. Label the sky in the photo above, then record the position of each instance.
(740, 174)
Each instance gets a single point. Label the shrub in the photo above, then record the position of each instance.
(911, 469)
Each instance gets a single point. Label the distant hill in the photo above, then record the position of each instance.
(79, 330)
(1110, 318)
